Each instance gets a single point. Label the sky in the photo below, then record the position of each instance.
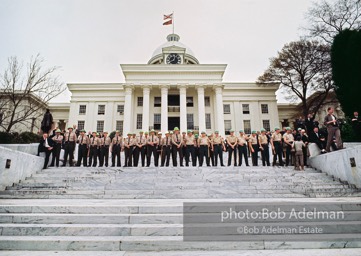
(88, 39)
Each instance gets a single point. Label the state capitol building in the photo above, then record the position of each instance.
(174, 89)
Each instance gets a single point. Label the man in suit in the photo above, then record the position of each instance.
(46, 145)
(316, 137)
(356, 125)
(333, 130)
(310, 123)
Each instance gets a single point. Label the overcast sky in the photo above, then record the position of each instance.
(88, 39)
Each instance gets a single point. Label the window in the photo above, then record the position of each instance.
(227, 126)
(226, 109)
(100, 126)
(157, 121)
(101, 109)
(120, 109)
(266, 125)
(140, 102)
(81, 125)
(82, 109)
(208, 121)
(247, 126)
(189, 101)
(264, 109)
(157, 101)
(139, 121)
(207, 101)
(245, 108)
(190, 121)
(119, 126)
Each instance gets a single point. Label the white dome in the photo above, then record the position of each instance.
(173, 40)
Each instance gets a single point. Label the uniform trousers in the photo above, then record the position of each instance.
(218, 153)
(203, 152)
(190, 153)
(69, 152)
(116, 154)
(93, 156)
(82, 155)
(255, 154)
(165, 155)
(242, 151)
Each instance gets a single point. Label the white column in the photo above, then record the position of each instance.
(164, 109)
(219, 106)
(146, 108)
(127, 124)
(201, 109)
(183, 107)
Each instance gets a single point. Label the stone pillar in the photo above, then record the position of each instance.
(146, 108)
(183, 107)
(219, 106)
(201, 109)
(127, 123)
(164, 108)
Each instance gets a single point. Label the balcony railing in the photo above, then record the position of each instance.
(173, 109)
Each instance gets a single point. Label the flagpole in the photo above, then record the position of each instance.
(173, 21)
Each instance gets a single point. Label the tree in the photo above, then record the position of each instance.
(302, 68)
(327, 19)
(346, 69)
(24, 93)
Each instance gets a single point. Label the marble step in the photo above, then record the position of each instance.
(99, 218)
(158, 243)
(106, 218)
(161, 196)
(91, 229)
(11, 229)
(294, 252)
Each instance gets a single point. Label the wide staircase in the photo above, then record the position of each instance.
(139, 211)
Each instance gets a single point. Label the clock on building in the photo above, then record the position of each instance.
(174, 58)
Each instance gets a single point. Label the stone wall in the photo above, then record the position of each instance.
(338, 164)
(22, 165)
(31, 149)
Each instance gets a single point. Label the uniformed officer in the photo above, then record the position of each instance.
(204, 144)
(58, 139)
(189, 142)
(69, 146)
(177, 147)
(159, 147)
(83, 145)
(196, 148)
(93, 149)
(104, 149)
(232, 147)
(242, 148)
(210, 151)
(263, 145)
(184, 148)
(254, 147)
(288, 140)
(128, 145)
(166, 144)
(152, 144)
(218, 147)
(116, 148)
(139, 149)
(276, 142)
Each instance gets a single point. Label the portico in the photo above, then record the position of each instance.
(173, 105)
(165, 93)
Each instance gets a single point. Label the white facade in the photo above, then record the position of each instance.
(173, 90)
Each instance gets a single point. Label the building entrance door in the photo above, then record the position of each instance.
(173, 122)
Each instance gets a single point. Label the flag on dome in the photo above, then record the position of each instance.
(170, 16)
(168, 19)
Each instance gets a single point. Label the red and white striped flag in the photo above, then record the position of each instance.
(168, 19)
(170, 16)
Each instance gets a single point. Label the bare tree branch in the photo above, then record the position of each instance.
(302, 68)
(25, 94)
(327, 20)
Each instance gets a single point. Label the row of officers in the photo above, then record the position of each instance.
(189, 147)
